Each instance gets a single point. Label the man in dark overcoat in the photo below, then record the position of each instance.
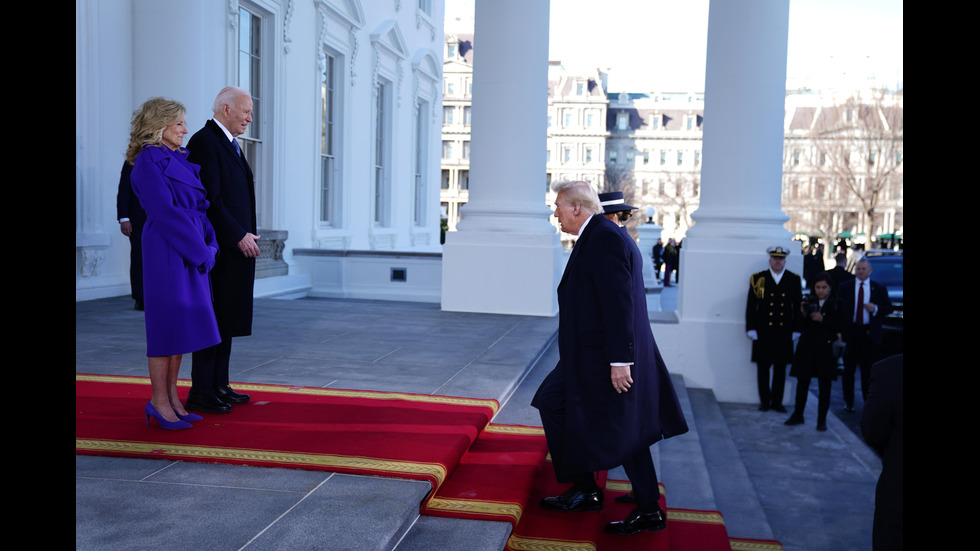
(839, 273)
(610, 397)
(132, 218)
(773, 320)
(883, 428)
(231, 192)
(864, 304)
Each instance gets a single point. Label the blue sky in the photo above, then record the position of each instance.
(660, 44)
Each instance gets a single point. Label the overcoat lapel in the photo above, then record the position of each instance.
(575, 250)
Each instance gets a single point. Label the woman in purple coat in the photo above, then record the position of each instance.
(179, 249)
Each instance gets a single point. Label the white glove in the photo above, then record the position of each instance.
(752, 334)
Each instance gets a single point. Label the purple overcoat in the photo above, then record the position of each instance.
(179, 250)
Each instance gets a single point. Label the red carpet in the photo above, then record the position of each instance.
(478, 470)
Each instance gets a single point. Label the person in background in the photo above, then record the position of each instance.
(814, 355)
(614, 207)
(864, 305)
(839, 274)
(773, 321)
(658, 259)
(883, 428)
(671, 258)
(179, 250)
(131, 217)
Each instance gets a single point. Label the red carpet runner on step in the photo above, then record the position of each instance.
(478, 470)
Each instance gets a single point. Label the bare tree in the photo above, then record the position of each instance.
(859, 147)
(682, 191)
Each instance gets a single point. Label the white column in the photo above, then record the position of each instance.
(740, 215)
(505, 257)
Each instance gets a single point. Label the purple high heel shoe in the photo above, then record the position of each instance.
(151, 411)
(189, 417)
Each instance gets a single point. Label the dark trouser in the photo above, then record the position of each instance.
(136, 263)
(209, 367)
(860, 353)
(643, 476)
(550, 401)
(774, 397)
(823, 398)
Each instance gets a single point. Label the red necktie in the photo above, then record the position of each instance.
(859, 314)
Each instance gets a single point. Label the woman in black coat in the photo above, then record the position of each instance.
(815, 350)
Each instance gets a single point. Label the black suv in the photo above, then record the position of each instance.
(887, 269)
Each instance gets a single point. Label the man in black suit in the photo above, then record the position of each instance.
(839, 274)
(132, 218)
(864, 304)
(658, 261)
(883, 428)
(610, 397)
(773, 320)
(231, 192)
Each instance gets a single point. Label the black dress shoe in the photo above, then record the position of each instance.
(778, 408)
(230, 396)
(763, 408)
(637, 522)
(574, 500)
(626, 498)
(794, 420)
(822, 426)
(206, 402)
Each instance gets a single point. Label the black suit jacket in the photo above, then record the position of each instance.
(838, 274)
(127, 204)
(848, 301)
(231, 192)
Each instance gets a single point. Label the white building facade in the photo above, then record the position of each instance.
(344, 143)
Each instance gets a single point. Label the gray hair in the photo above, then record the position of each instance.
(227, 96)
(579, 192)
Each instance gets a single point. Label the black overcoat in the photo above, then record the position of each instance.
(603, 319)
(231, 191)
(814, 352)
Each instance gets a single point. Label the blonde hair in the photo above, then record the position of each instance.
(148, 123)
(579, 192)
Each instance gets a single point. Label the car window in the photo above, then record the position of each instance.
(887, 271)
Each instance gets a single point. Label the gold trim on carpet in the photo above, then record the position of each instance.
(434, 470)
(518, 543)
(703, 517)
(374, 395)
(499, 508)
(619, 486)
(514, 429)
(754, 545)
(627, 486)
